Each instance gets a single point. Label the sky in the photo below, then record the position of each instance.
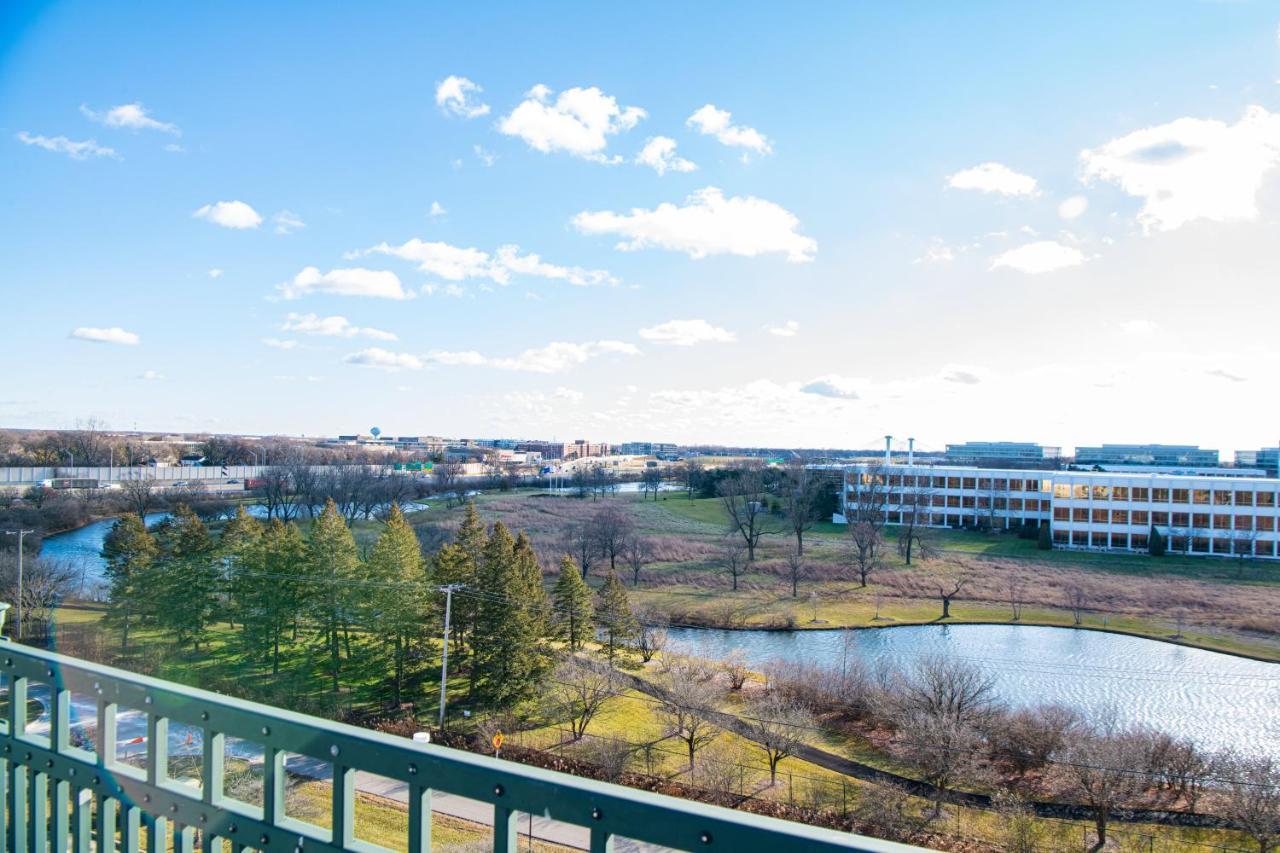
(735, 223)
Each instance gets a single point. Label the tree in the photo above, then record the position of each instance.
(1250, 799)
(1076, 600)
(651, 638)
(867, 540)
(651, 480)
(581, 541)
(799, 498)
(189, 576)
(795, 562)
(459, 563)
(1155, 543)
(448, 479)
(400, 599)
(274, 584)
(240, 539)
(571, 607)
(578, 692)
(778, 724)
(510, 622)
(1017, 597)
(334, 564)
(130, 552)
(948, 589)
(1104, 770)
(614, 616)
(685, 705)
(735, 668)
(637, 553)
(138, 494)
(691, 472)
(733, 558)
(913, 533)
(612, 528)
(742, 494)
(943, 748)
(1044, 538)
(864, 512)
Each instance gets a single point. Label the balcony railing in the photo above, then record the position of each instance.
(61, 787)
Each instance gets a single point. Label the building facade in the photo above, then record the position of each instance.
(1105, 511)
(1008, 452)
(1171, 455)
(1267, 458)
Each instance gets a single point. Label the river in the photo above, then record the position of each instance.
(1218, 700)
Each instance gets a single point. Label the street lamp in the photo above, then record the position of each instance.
(17, 620)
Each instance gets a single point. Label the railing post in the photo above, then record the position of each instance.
(504, 830)
(601, 841)
(17, 807)
(344, 805)
(272, 784)
(419, 819)
(157, 749)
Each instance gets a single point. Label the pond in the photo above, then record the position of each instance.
(1218, 700)
(81, 549)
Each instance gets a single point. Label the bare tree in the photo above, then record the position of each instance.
(1028, 738)
(799, 498)
(733, 558)
(637, 553)
(651, 480)
(944, 748)
(651, 639)
(779, 725)
(946, 689)
(578, 692)
(691, 472)
(868, 541)
(913, 534)
(45, 584)
(948, 589)
(742, 493)
(1250, 799)
(1076, 600)
(580, 541)
(1016, 598)
(1103, 767)
(138, 494)
(864, 511)
(685, 705)
(448, 480)
(612, 529)
(795, 563)
(734, 666)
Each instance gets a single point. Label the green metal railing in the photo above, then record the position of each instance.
(61, 792)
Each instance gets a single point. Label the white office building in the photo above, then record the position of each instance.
(1106, 511)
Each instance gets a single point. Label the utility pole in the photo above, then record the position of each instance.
(448, 590)
(17, 623)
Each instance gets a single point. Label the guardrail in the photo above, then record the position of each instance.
(57, 788)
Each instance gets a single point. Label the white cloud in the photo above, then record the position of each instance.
(835, 386)
(61, 145)
(277, 343)
(113, 335)
(568, 394)
(1191, 168)
(936, 253)
(229, 214)
(333, 327)
(287, 222)
(788, 329)
(1138, 327)
(659, 154)
(175, 148)
(993, 178)
(129, 116)
(215, 273)
(579, 121)
(460, 97)
(1039, 257)
(1219, 373)
(458, 263)
(1073, 207)
(151, 376)
(354, 281)
(707, 224)
(686, 333)
(962, 375)
(486, 158)
(555, 357)
(384, 359)
(711, 121)
(437, 210)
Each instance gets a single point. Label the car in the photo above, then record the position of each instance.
(233, 482)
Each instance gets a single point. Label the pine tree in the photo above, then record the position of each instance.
(509, 657)
(401, 597)
(334, 564)
(270, 580)
(1044, 539)
(614, 616)
(1155, 543)
(571, 607)
(240, 541)
(189, 577)
(459, 563)
(130, 553)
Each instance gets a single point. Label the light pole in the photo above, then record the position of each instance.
(17, 621)
(444, 656)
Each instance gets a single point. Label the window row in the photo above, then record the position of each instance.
(1142, 494)
(1166, 520)
(1179, 544)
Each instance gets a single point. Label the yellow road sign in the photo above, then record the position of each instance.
(497, 740)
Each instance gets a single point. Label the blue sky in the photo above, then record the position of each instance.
(952, 221)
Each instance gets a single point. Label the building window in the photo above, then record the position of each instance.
(1263, 549)
(1061, 513)
(1178, 543)
(1244, 498)
(1099, 516)
(1222, 498)
(1062, 490)
(953, 501)
(953, 482)
(1160, 519)
(1221, 546)
(1181, 496)
(1015, 485)
(1015, 504)
(937, 519)
(1120, 493)
(938, 500)
(1101, 493)
(1181, 519)
(1266, 498)
(1033, 505)
(1061, 537)
(1200, 496)
(1080, 493)
(969, 482)
(1080, 514)
(1080, 537)
(985, 484)
(1119, 540)
(1138, 541)
(1139, 516)
(967, 503)
(1160, 496)
(895, 518)
(1222, 522)
(1200, 544)
(1119, 516)
(1002, 485)
(939, 482)
(1266, 522)
(1244, 522)
(1200, 520)
(1140, 494)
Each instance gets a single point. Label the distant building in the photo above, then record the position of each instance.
(1170, 455)
(1017, 453)
(565, 450)
(646, 448)
(1268, 459)
(191, 460)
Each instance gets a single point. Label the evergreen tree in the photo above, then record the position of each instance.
(459, 563)
(270, 580)
(402, 595)
(333, 565)
(509, 658)
(571, 607)
(1155, 543)
(130, 553)
(240, 541)
(189, 576)
(614, 616)
(1044, 540)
